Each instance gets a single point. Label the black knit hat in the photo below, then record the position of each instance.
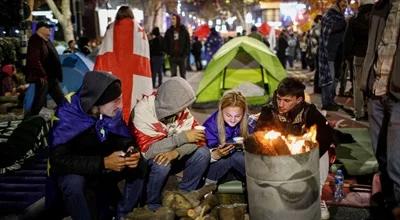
(42, 24)
(112, 92)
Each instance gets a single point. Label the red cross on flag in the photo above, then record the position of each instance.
(125, 53)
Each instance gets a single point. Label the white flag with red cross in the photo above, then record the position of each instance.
(125, 53)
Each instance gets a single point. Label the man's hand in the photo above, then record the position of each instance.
(133, 160)
(195, 135)
(166, 157)
(115, 161)
(222, 151)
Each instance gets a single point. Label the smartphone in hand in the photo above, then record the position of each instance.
(238, 146)
(131, 150)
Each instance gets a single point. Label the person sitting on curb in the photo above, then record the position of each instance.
(87, 145)
(164, 129)
(222, 128)
(288, 113)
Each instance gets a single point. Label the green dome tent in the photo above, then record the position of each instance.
(242, 60)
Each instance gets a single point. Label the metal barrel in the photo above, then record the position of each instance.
(283, 187)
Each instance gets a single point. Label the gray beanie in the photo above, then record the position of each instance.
(173, 96)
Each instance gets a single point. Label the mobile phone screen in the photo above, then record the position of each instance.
(238, 146)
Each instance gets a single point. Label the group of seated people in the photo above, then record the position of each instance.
(92, 149)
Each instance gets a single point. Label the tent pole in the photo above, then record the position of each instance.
(223, 79)
(262, 78)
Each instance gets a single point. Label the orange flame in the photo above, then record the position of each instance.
(294, 144)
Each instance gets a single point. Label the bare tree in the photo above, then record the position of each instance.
(64, 17)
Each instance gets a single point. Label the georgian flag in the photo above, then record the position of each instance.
(125, 53)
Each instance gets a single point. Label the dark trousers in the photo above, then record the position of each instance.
(99, 198)
(174, 62)
(193, 166)
(51, 87)
(282, 59)
(156, 70)
(197, 60)
(384, 120)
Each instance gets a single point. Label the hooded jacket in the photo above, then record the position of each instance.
(181, 47)
(356, 35)
(301, 117)
(160, 119)
(79, 141)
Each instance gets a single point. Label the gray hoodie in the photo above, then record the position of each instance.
(172, 97)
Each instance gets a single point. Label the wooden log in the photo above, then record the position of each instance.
(205, 206)
(181, 212)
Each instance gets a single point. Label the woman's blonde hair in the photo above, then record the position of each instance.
(232, 99)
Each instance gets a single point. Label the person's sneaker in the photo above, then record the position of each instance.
(324, 211)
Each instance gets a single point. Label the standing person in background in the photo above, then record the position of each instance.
(355, 45)
(222, 127)
(254, 34)
(43, 69)
(380, 81)
(125, 52)
(333, 26)
(291, 49)
(213, 43)
(156, 56)
(303, 50)
(314, 49)
(196, 51)
(177, 46)
(281, 47)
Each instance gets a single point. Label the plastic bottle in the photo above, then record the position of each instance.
(339, 180)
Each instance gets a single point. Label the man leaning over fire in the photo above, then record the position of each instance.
(289, 113)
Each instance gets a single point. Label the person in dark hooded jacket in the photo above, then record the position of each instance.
(167, 136)
(87, 151)
(177, 46)
(289, 113)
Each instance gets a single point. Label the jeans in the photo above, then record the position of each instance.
(73, 188)
(384, 120)
(134, 184)
(156, 70)
(193, 166)
(174, 62)
(328, 92)
(222, 166)
(87, 199)
(357, 93)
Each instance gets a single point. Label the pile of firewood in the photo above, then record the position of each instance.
(201, 204)
(192, 205)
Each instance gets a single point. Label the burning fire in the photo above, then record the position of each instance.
(274, 143)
